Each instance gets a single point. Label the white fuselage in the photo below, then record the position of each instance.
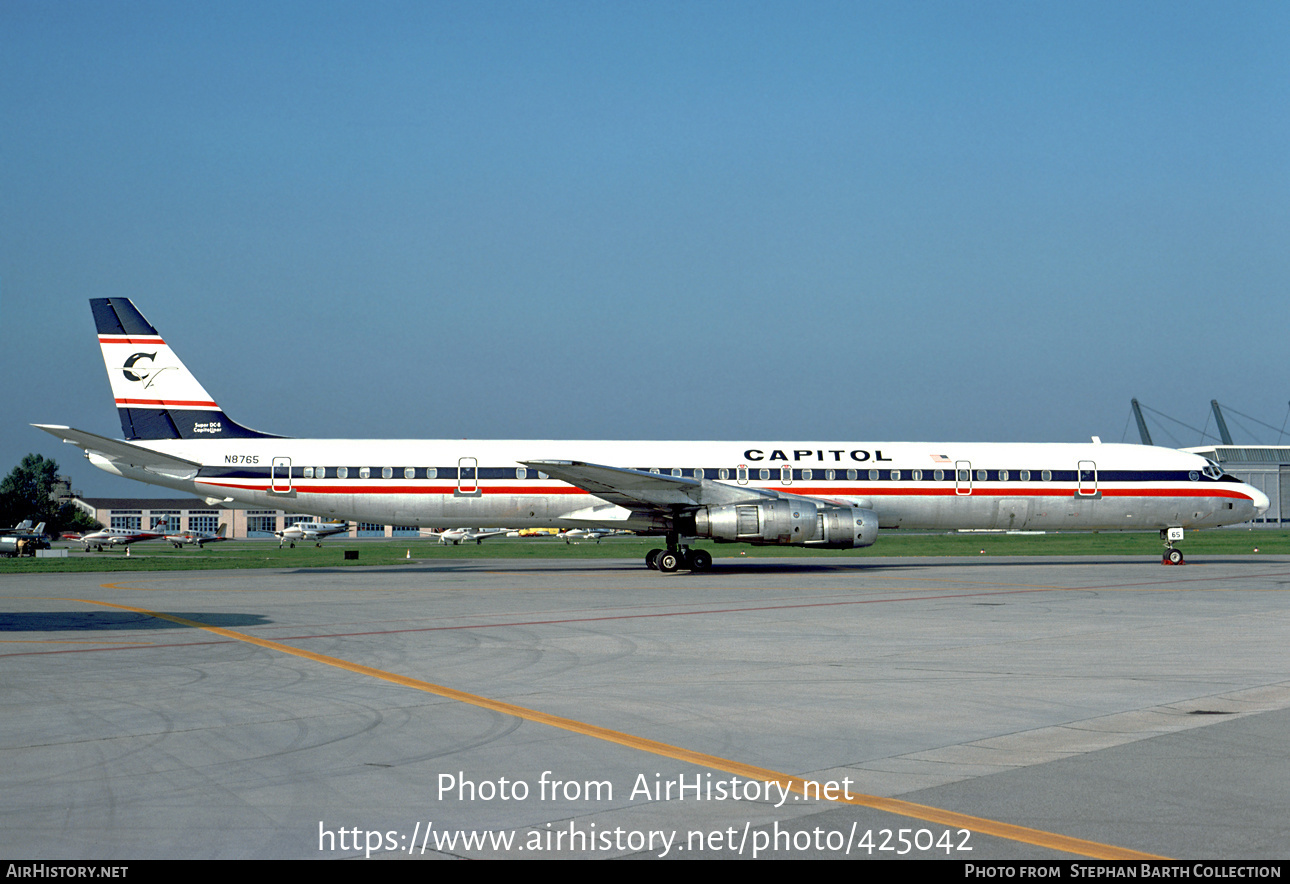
(919, 485)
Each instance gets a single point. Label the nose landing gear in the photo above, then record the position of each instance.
(1172, 556)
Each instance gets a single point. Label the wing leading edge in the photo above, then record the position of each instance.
(653, 493)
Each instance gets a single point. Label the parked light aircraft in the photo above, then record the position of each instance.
(22, 539)
(576, 535)
(315, 531)
(459, 535)
(200, 538)
(794, 492)
(120, 536)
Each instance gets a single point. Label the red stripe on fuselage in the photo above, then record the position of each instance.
(447, 491)
(1059, 493)
(1050, 491)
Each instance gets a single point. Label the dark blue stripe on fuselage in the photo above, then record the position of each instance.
(818, 475)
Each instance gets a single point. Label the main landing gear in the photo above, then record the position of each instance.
(678, 557)
(1172, 556)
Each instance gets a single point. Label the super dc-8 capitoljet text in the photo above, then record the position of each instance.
(795, 493)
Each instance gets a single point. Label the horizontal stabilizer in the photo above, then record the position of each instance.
(124, 453)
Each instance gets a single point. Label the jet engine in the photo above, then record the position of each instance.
(787, 522)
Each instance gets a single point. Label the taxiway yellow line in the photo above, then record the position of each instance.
(979, 825)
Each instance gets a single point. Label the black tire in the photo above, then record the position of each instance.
(700, 560)
(1174, 557)
(651, 559)
(669, 562)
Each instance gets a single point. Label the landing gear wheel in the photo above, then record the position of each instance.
(1174, 557)
(700, 560)
(651, 559)
(668, 562)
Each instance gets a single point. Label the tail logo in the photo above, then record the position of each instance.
(144, 374)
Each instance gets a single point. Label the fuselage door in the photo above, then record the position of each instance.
(962, 477)
(468, 476)
(1087, 479)
(280, 475)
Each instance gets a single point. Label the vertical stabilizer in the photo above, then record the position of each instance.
(156, 396)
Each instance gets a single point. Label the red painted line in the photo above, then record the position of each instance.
(173, 402)
(1175, 580)
(751, 609)
(137, 340)
(385, 489)
(606, 617)
(141, 645)
(1058, 494)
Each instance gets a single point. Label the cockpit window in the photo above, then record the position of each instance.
(1213, 470)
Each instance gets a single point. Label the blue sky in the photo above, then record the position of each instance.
(978, 221)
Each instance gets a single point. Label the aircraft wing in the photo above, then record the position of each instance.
(124, 453)
(641, 491)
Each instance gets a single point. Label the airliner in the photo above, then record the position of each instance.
(789, 492)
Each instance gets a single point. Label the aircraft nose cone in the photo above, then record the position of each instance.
(1261, 502)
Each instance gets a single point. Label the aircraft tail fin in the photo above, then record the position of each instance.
(223, 529)
(156, 396)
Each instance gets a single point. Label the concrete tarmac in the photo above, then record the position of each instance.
(974, 709)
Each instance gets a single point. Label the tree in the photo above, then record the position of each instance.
(26, 493)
